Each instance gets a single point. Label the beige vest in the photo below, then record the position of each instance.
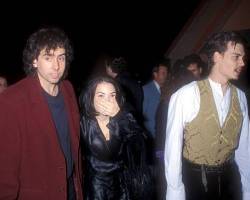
(205, 141)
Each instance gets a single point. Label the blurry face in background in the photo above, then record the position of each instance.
(161, 75)
(105, 92)
(3, 84)
(195, 69)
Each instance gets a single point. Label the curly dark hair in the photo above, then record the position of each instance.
(218, 43)
(86, 99)
(48, 39)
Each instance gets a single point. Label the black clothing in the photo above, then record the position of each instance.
(161, 125)
(214, 183)
(105, 158)
(160, 135)
(70, 188)
(133, 94)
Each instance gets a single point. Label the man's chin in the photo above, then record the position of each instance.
(236, 77)
(55, 81)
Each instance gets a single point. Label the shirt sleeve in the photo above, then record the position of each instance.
(242, 154)
(173, 149)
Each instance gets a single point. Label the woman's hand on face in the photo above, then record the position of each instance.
(109, 108)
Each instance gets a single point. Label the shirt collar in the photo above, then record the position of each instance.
(157, 86)
(217, 87)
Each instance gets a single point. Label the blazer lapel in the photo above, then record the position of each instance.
(40, 109)
(73, 118)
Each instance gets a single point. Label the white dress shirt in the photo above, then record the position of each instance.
(184, 105)
(157, 86)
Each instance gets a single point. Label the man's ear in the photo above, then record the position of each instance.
(155, 74)
(217, 57)
(35, 63)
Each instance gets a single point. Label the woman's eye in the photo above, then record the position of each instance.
(61, 58)
(48, 58)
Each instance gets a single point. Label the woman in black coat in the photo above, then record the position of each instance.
(105, 129)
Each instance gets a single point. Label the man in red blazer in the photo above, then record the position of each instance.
(39, 125)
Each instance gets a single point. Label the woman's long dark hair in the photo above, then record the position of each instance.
(86, 99)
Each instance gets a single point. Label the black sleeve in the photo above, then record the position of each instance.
(127, 124)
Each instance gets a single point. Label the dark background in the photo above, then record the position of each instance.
(141, 33)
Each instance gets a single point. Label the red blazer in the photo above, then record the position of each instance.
(32, 164)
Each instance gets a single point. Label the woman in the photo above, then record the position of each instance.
(106, 129)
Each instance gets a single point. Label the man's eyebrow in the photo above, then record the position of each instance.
(47, 54)
(52, 54)
(237, 54)
(63, 54)
(104, 93)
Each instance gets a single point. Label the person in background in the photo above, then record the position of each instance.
(207, 136)
(151, 100)
(3, 83)
(131, 88)
(152, 93)
(40, 126)
(194, 64)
